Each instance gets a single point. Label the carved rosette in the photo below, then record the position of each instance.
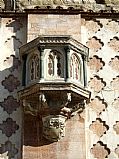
(54, 127)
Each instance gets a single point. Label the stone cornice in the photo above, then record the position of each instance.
(50, 87)
(55, 40)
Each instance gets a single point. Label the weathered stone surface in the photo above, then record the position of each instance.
(54, 25)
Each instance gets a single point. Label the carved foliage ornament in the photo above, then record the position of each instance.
(54, 127)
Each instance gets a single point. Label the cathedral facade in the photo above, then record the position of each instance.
(59, 79)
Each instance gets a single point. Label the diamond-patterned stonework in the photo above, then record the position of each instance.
(10, 83)
(98, 105)
(97, 84)
(114, 63)
(116, 127)
(10, 104)
(10, 148)
(117, 151)
(95, 44)
(95, 63)
(100, 151)
(99, 127)
(113, 26)
(116, 103)
(114, 43)
(115, 83)
(9, 127)
(93, 26)
(13, 62)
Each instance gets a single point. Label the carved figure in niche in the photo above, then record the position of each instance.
(54, 127)
(54, 64)
(75, 68)
(34, 67)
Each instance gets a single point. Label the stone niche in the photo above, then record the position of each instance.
(54, 80)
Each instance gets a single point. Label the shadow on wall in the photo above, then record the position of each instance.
(10, 111)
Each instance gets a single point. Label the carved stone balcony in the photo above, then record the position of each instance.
(54, 77)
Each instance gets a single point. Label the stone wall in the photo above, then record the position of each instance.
(53, 25)
(101, 117)
(102, 113)
(12, 36)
